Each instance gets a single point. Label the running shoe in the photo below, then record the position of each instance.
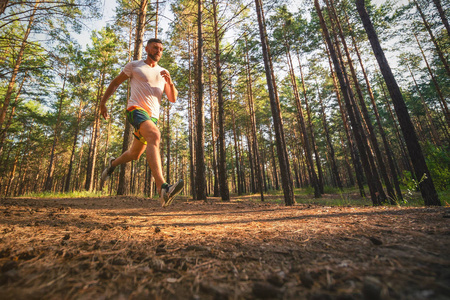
(107, 172)
(169, 192)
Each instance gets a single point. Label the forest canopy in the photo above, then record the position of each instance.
(273, 96)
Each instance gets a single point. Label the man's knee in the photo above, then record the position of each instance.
(155, 136)
(151, 133)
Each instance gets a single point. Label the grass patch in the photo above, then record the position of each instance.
(331, 197)
(444, 196)
(76, 194)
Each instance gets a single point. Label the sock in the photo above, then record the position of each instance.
(165, 185)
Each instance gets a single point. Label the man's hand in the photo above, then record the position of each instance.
(104, 111)
(169, 88)
(166, 75)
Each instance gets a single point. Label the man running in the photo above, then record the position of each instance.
(148, 81)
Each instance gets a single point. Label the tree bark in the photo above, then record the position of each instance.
(223, 177)
(74, 147)
(387, 148)
(404, 153)
(347, 93)
(365, 115)
(276, 113)
(274, 163)
(427, 188)
(93, 150)
(192, 134)
(199, 112)
(434, 133)
(168, 143)
(251, 106)
(438, 5)
(156, 19)
(51, 167)
(442, 101)
(4, 130)
(125, 170)
(320, 181)
(18, 62)
(334, 168)
(301, 122)
(3, 4)
(355, 158)
(216, 191)
(433, 39)
(237, 157)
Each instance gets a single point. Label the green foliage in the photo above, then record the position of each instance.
(438, 162)
(411, 185)
(76, 194)
(444, 196)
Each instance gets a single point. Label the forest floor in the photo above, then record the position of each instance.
(130, 248)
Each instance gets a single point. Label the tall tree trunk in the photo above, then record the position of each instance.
(427, 188)
(433, 39)
(4, 130)
(241, 163)
(74, 147)
(404, 153)
(347, 93)
(442, 15)
(12, 175)
(18, 62)
(200, 179)
(93, 150)
(78, 180)
(276, 113)
(125, 175)
(263, 165)
(320, 180)
(349, 178)
(216, 191)
(355, 158)
(334, 168)
(387, 148)
(336, 25)
(168, 143)
(302, 124)
(192, 134)
(223, 177)
(251, 106)
(236, 153)
(156, 19)
(251, 161)
(3, 4)
(442, 102)
(274, 162)
(434, 133)
(51, 167)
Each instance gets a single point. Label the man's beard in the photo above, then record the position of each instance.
(154, 57)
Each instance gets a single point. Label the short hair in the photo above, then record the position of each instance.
(154, 41)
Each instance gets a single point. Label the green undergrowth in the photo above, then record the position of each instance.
(79, 194)
(347, 197)
(331, 197)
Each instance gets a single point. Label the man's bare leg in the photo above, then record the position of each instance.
(135, 151)
(152, 135)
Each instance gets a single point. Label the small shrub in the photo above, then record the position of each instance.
(438, 162)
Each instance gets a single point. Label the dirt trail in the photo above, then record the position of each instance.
(130, 248)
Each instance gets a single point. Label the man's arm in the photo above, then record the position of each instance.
(109, 91)
(169, 88)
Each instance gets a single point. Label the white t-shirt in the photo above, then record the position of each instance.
(147, 86)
